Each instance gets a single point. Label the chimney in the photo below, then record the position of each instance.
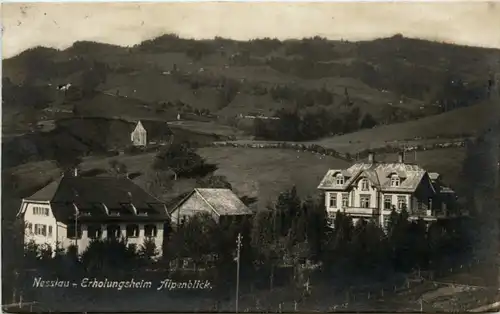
(401, 157)
(371, 157)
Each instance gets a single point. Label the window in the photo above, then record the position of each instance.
(430, 203)
(386, 222)
(340, 180)
(331, 216)
(132, 231)
(40, 211)
(333, 199)
(394, 180)
(113, 231)
(50, 231)
(345, 200)
(94, 231)
(40, 229)
(150, 231)
(74, 231)
(387, 202)
(420, 204)
(364, 185)
(402, 202)
(29, 228)
(365, 201)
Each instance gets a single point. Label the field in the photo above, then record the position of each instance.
(211, 128)
(267, 172)
(113, 106)
(458, 123)
(262, 173)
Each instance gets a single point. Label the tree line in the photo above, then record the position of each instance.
(293, 125)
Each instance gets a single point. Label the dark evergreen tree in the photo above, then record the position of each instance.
(368, 121)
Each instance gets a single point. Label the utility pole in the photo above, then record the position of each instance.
(77, 213)
(238, 249)
(76, 227)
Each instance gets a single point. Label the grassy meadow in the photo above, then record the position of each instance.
(454, 124)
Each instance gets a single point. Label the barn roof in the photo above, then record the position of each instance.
(222, 201)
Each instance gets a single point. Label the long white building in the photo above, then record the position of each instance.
(75, 210)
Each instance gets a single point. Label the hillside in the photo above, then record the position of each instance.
(393, 79)
(89, 135)
(460, 123)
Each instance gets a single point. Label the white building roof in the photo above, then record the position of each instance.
(379, 174)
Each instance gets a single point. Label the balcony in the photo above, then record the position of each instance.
(361, 211)
(433, 214)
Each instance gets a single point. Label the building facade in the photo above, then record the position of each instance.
(371, 190)
(139, 135)
(77, 210)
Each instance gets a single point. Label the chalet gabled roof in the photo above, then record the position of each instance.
(98, 197)
(379, 174)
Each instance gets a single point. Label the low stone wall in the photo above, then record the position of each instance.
(317, 149)
(421, 147)
(287, 145)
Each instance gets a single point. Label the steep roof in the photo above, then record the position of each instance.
(379, 174)
(222, 201)
(97, 197)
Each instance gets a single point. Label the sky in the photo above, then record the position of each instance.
(59, 25)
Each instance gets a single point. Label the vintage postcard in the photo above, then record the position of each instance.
(250, 157)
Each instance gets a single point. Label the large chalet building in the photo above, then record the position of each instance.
(371, 190)
(75, 210)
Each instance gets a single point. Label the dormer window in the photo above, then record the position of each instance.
(395, 181)
(364, 185)
(340, 180)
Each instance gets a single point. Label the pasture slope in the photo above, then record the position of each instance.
(464, 122)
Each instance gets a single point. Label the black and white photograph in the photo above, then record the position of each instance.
(264, 157)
